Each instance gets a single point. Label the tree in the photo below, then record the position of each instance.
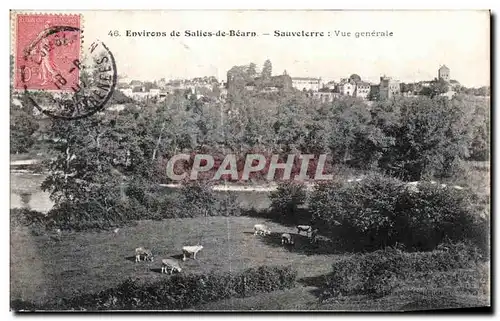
(23, 126)
(352, 137)
(438, 87)
(407, 88)
(286, 200)
(94, 159)
(237, 77)
(479, 124)
(267, 69)
(292, 126)
(252, 70)
(373, 95)
(82, 172)
(483, 91)
(430, 136)
(119, 98)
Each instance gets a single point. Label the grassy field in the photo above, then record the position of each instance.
(43, 268)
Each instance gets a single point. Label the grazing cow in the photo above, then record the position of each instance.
(315, 237)
(286, 238)
(188, 250)
(170, 263)
(304, 228)
(140, 251)
(261, 229)
(115, 231)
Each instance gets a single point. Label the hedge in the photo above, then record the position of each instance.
(177, 292)
(380, 272)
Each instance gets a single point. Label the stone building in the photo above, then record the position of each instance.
(444, 73)
(388, 88)
(306, 83)
(347, 88)
(362, 90)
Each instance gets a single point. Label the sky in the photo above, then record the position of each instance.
(422, 41)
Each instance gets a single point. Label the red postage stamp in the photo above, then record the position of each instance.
(47, 47)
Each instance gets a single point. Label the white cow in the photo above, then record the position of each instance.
(140, 251)
(286, 238)
(261, 229)
(170, 263)
(188, 250)
(304, 228)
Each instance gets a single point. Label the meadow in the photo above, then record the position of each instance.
(44, 269)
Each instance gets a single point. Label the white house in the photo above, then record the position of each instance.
(347, 88)
(306, 83)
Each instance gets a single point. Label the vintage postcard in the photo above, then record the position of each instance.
(238, 160)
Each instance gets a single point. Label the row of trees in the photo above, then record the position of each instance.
(408, 138)
(441, 86)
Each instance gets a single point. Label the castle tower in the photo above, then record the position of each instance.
(444, 73)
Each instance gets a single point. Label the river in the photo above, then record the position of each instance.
(25, 191)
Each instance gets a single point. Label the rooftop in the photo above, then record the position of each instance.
(305, 78)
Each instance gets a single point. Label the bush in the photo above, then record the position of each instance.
(433, 214)
(360, 215)
(285, 202)
(177, 292)
(26, 217)
(380, 272)
(228, 205)
(138, 203)
(380, 211)
(193, 199)
(36, 221)
(197, 199)
(87, 216)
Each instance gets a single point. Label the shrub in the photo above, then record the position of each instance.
(286, 199)
(138, 203)
(197, 199)
(361, 215)
(380, 211)
(26, 217)
(87, 216)
(36, 221)
(177, 292)
(228, 204)
(380, 272)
